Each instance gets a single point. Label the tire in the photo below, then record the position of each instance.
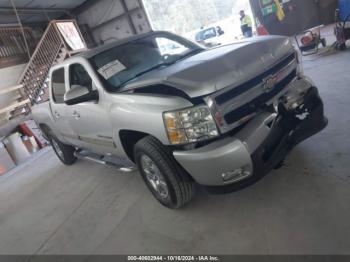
(64, 152)
(175, 187)
(342, 47)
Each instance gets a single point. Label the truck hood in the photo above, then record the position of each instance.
(218, 68)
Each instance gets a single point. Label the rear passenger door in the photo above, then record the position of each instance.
(58, 107)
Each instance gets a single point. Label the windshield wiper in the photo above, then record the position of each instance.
(146, 71)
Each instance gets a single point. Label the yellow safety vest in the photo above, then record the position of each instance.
(279, 12)
(247, 21)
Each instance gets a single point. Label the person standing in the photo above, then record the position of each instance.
(246, 25)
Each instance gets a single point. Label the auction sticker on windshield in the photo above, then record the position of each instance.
(111, 69)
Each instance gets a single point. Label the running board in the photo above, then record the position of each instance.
(120, 164)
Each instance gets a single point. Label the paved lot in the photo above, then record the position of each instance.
(47, 208)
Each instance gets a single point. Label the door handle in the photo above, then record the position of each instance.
(76, 115)
(57, 115)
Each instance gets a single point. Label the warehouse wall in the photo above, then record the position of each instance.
(9, 77)
(327, 10)
(300, 15)
(109, 20)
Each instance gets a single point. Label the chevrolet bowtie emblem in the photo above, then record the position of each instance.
(269, 83)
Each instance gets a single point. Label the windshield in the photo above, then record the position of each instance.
(121, 64)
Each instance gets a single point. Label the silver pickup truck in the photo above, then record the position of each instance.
(221, 118)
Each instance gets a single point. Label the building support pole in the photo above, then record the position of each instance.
(47, 16)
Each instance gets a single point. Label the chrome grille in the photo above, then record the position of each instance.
(235, 104)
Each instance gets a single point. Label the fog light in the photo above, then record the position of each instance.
(235, 175)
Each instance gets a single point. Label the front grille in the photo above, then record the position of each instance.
(221, 99)
(258, 102)
(246, 99)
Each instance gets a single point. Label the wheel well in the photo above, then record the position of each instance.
(129, 139)
(46, 130)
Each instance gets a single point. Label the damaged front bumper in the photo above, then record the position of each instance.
(240, 160)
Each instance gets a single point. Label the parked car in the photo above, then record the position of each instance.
(221, 118)
(210, 37)
(169, 47)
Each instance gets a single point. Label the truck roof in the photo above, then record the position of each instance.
(95, 51)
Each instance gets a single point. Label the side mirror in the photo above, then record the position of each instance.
(220, 31)
(79, 94)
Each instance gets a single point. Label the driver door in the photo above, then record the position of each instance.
(90, 120)
(58, 108)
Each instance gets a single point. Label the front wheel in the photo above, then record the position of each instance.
(64, 152)
(165, 178)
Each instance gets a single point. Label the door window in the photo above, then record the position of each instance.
(58, 86)
(79, 76)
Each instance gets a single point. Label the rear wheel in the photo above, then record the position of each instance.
(164, 177)
(64, 152)
(341, 46)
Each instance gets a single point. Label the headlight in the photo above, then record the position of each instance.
(190, 125)
(295, 96)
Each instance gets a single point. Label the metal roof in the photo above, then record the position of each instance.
(33, 11)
